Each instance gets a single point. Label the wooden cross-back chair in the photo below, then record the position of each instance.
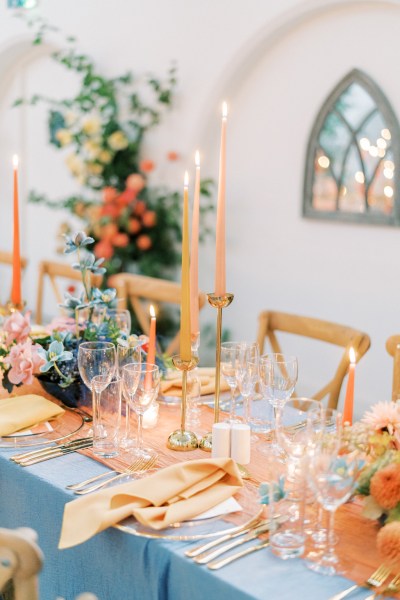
(271, 322)
(6, 258)
(140, 291)
(393, 348)
(55, 271)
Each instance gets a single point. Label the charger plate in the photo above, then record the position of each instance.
(59, 429)
(196, 529)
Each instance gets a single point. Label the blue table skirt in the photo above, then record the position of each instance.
(117, 566)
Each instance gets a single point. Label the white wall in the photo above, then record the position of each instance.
(275, 62)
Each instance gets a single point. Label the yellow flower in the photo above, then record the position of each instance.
(70, 117)
(92, 148)
(64, 137)
(105, 157)
(118, 140)
(91, 125)
(94, 168)
(75, 164)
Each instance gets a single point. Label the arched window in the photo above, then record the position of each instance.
(353, 156)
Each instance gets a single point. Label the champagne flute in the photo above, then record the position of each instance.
(128, 352)
(333, 478)
(96, 359)
(247, 373)
(229, 358)
(278, 377)
(141, 383)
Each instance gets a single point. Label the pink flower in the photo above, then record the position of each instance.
(383, 415)
(24, 361)
(61, 324)
(17, 327)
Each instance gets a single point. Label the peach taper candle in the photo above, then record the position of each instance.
(194, 255)
(349, 398)
(220, 263)
(185, 336)
(16, 295)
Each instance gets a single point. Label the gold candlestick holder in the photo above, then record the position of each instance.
(218, 302)
(181, 439)
(12, 307)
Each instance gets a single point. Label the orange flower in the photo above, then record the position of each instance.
(109, 194)
(172, 155)
(135, 182)
(109, 231)
(121, 240)
(126, 197)
(149, 218)
(134, 226)
(385, 486)
(144, 242)
(388, 544)
(110, 210)
(146, 166)
(103, 249)
(79, 209)
(140, 208)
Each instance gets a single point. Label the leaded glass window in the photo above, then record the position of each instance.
(353, 167)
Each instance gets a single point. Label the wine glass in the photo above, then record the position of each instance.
(141, 383)
(122, 318)
(129, 352)
(278, 377)
(247, 373)
(333, 478)
(229, 358)
(96, 359)
(193, 398)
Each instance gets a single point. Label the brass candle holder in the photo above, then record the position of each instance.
(181, 439)
(10, 307)
(218, 302)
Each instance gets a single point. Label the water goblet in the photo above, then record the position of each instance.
(128, 352)
(278, 378)
(193, 398)
(96, 359)
(146, 378)
(229, 358)
(333, 477)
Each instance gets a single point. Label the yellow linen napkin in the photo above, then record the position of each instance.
(173, 494)
(172, 386)
(20, 412)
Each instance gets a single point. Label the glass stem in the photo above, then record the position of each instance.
(232, 412)
(247, 409)
(96, 411)
(139, 431)
(127, 421)
(330, 551)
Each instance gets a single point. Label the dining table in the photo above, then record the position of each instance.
(121, 565)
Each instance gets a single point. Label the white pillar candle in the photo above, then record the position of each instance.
(240, 443)
(150, 416)
(221, 440)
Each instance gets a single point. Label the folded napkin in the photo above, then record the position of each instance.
(172, 385)
(173, 494)
(20, 412)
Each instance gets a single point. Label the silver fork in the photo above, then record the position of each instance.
(392, 588)
(375, 580)
(138, 466)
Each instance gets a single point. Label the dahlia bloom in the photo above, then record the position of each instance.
(385, 486)
(388, 544)
(383, 415)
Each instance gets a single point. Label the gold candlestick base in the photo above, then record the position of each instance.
(182, 440)
(218, 302)
(10, 308)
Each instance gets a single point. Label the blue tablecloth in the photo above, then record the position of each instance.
(118, 566)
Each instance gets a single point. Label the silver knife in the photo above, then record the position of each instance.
(60, 452)
(207, 557)
(217, 564)
(49, 449)
(225, 538)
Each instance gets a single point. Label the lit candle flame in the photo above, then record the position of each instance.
(197, 159)
(352, 356)
(224, 110)
(15, 161)
(152, 312)
(186, 179)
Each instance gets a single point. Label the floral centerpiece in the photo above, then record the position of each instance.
(378, 435)
(52, 356)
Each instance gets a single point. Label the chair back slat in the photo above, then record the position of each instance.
(271, 322)
(140, 291)
(393, 348)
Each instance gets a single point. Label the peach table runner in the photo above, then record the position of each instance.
(357, 534)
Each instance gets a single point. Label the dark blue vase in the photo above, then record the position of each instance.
(76, 394)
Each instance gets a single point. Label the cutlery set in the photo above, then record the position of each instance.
(375, 580)
(251, 531)
(36, 456)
